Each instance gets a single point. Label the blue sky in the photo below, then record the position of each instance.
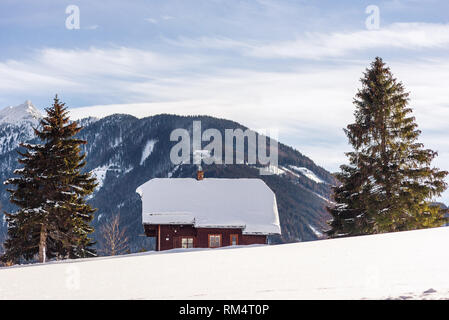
(289, 65)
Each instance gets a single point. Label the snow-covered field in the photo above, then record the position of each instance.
(402, 265)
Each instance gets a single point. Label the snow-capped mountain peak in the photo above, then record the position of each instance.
(23, 112)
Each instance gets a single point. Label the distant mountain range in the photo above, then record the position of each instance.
(16, 125)
(123, 152)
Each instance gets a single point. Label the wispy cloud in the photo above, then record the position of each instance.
(92, 27)
(89, 70)
(412, 36)
(151, 20)
(156, 21)
(212, 43)
(314, 45)
(167, 17)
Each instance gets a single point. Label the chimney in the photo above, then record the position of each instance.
(198, 156)
(200, 174)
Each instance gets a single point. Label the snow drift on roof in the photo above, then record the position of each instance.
(223, 203)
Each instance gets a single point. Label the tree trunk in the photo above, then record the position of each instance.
(43, 244)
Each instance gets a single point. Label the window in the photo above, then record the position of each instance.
(234, 239)
(187, 242)
(214, 240)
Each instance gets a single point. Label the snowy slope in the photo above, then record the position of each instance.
(149, 147)
(16, 125)
(397, 265)
(23, 112)
(308, 173)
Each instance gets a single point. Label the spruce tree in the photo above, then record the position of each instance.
(53, 217)
(389, 180)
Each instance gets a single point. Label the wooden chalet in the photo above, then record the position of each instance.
(208, 213)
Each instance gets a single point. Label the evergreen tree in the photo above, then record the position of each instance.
(53, 217)
(389, 181)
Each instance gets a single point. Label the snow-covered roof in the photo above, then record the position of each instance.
(221, 203)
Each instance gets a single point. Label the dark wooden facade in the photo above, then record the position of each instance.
(171, 236)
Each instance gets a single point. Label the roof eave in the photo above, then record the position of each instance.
(167, 223)
(261, 233)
